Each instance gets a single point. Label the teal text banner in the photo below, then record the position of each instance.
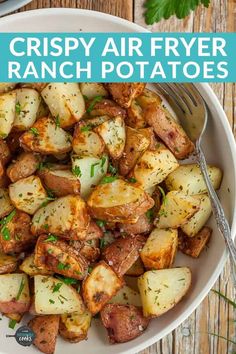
(117, 57)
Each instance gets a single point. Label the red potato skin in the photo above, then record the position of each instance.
(169, 131)
(124, 93)
(46, 330)
(5, 156)
(25, 166)
(50, 254)
(122, 253)
(123, 322)
(14, 306)
(142, 226)
(21, 238)
(106, 107)
(13, 141)
(94, 231)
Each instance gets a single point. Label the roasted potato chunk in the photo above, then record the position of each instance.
(104, 107)
(86, 142)
(113, 134)
(46, 138)
(29, 267)
(74, 327)
(124, 93)
(94, 231)
(166, 128)
(5, 155)
(50, 295)
(162, 289)
(122, 253)
(126, 296)
(14, 316)
(56, 255)
(119, 201)
(6, 205)
(100, 286)
(154, 166)
(6, 86)
(27, 105)
(176, 209)
(28, 194)
(61, 182)
(189, 179)
(15, 235)
(46, 330)
(160, 249)
(65, 102)
(7, 113)
(142, 226)
(136, 269)
(193, 246)
(8, 264)
(66, 217)
(123, 322)
(90, 250)
(135, 145)
(14, 293)
(24, 166)
(92, 90)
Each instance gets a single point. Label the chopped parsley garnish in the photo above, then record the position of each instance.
(104, 159)
(22, 284)
(92, 169)
(51, 238)
(48, 199)
(86, 128)
(6, 233)
(57, 287)
(132, 180)
(90, 269)
(103, 243)
(57, 121)
(150, 215)
(100, 223)
(12, 324)
(34, 131)
(62, 266)
(112, 169)
(108, 179)
(92, 104)
(68, 281)
(51, 301)
(18, 108)
(162, 194)
(4, 230)
(85, 97)
(76, 171)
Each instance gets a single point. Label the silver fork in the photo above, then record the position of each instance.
(192, 112)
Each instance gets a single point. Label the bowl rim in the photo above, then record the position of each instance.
(207, 92)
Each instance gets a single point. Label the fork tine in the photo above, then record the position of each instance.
(182, 97)
(170, 98)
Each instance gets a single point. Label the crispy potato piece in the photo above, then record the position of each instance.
(189, 179)
(166, 127)
(135, 145)
(94, 231)
(123, 322)
(176, 209)
(95, 121)
(87, 142)
(160, 249)
(136, 269)
(65, 102)
(104, 107)
(7, 113)
(61, 182)
(13, 141)
(39, 86)
(66, 217)
(46, 138)
(5, 155)
(100, 286)
(46, 330)
(89, 170)
(119, 201)
(4, 180)
(6, 205)
(91, 90)
(27, 105)
(74, 327)
(126, 296)
(18, 237)
(8, 264)
(24, 166)
(6, 86)
(122, 253)
(14, 293)
(28, 194)
(113, 134)
(124, 93)
(199, 219)
(49, 302)
(162, 289)
(193, 246)
(142, 226)
(14, 316)
(29, 267)
(149, 134)
(58, 256)
(90, 250)
(154, 166)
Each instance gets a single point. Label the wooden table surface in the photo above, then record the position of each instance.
(213, 315)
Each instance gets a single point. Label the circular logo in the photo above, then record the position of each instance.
(24, 336)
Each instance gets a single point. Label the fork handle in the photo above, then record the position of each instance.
(218, 211)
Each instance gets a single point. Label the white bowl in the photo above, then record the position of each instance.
(219, 147)
(12, 5)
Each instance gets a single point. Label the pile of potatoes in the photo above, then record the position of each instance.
(94, 205)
